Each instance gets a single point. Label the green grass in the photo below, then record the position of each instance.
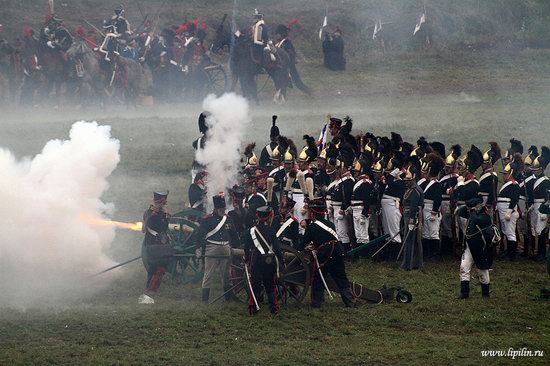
(412, 95)
(434, 329)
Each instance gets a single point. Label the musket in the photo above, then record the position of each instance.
(94, 27)
(116, 266)
(314, 253)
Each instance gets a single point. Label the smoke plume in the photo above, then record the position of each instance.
(48, 243)
(228, 120)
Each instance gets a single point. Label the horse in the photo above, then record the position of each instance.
(7, 72)
(244, 68)
(90, 79)
(129, 78)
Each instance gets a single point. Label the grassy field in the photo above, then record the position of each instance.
(465, 98)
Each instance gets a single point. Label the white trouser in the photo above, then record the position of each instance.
(466, 266)
(430, 229)
(522, 219)
(538, 220)
(461, 221)
(360, 225)
(341, 223)
(391, 218)
(508, 227)
(216, 257)
(446, 217)
(330, 213)
(298, 209)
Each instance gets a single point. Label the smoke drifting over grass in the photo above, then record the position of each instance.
(228, 120)
(47, 244)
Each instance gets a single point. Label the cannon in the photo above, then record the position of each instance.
(292, 286)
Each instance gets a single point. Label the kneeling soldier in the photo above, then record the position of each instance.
(262, 252)
(321, 239)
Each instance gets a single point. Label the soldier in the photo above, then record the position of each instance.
(477, 246)
(413, 200)
(302, 189)
(488, 181)
(467, 186)
(528, 182)
(340, 191)
(507, 203)
(259, 38)
(361, 199)
(156, 251)
(379, 186)
(266, 155)
(433, 196)
(285, 43)
(540, 196)
(321, 239)
(197, 192)
(238, 213)
(58, 36)
(391, 203)
(448, 182)
(255, 195)
(122, 26)
(199, 144)
(286, 226)
(216, 236)
(263, 254)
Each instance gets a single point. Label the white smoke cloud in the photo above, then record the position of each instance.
(228, 120)
(47, 246)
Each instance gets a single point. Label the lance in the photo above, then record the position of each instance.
(94, 27)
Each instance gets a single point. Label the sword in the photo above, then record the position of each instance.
(314, 253)
(386, 243)
(250, 287)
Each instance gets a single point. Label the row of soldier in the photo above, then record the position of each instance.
(352, 189)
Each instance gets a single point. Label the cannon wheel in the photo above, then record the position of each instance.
(186, 268)
(217, 79)
(293, 285)
(403, 296)
(296, 277)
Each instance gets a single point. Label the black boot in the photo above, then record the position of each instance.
(347, 297)
(512, 249)
(435, 246)
(205, 295)
(541, 247)
(273, 306)
(526, 239)
(485, 290)
(464, 289)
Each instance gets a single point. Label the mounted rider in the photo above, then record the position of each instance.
(117, 28)
(260, 37)
(56, 36)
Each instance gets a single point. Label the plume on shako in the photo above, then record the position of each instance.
(413, 168)
(532, 154)
(406, 148)
(438, 148)
(274, 132)
(492, 155)
(251, 158)
(435, 164)
(423, 148)
(456, 151)
(396, 140)
(515, 147)
(474, 159)
(541, 162)
(347, 155)
(515, 166)
(309, 152)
